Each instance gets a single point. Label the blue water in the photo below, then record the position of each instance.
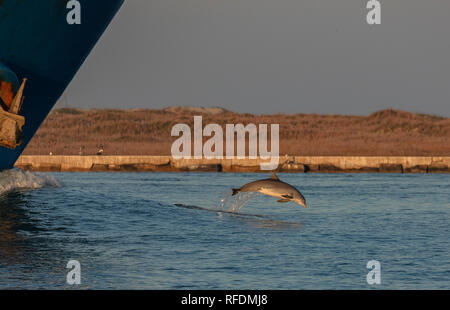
(127, 232)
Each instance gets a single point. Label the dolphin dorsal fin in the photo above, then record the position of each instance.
(274, 176)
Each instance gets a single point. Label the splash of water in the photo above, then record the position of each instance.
(240, 200)
(16, 179)
(226, 198)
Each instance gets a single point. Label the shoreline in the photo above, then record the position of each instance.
(294, 164)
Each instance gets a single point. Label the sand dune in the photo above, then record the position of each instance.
(147, 132)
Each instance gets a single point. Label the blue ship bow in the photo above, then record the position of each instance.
(39, 46)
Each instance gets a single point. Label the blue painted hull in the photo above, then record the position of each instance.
(37, 43)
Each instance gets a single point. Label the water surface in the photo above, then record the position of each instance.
(128, 233)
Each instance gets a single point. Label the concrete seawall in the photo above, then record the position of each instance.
(299, 164)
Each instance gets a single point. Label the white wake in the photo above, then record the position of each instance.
(16, 179)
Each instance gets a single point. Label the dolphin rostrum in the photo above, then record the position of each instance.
(275, 188)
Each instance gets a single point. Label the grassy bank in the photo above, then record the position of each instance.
(147, 132)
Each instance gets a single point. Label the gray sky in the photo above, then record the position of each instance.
(268, 56)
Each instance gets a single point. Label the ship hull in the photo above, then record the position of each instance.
(37, 43)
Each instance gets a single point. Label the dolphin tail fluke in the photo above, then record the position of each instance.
(235, 191)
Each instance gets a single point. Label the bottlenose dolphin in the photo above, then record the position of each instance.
(275, 188)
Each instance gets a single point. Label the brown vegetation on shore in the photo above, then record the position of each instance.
(147, 132)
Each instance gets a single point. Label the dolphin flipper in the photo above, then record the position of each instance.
(283, 200)
(287, 196)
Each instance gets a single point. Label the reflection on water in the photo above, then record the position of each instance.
(25, 245)
(255, 220)
(22, 230)
(269, 223)
(13, 218)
